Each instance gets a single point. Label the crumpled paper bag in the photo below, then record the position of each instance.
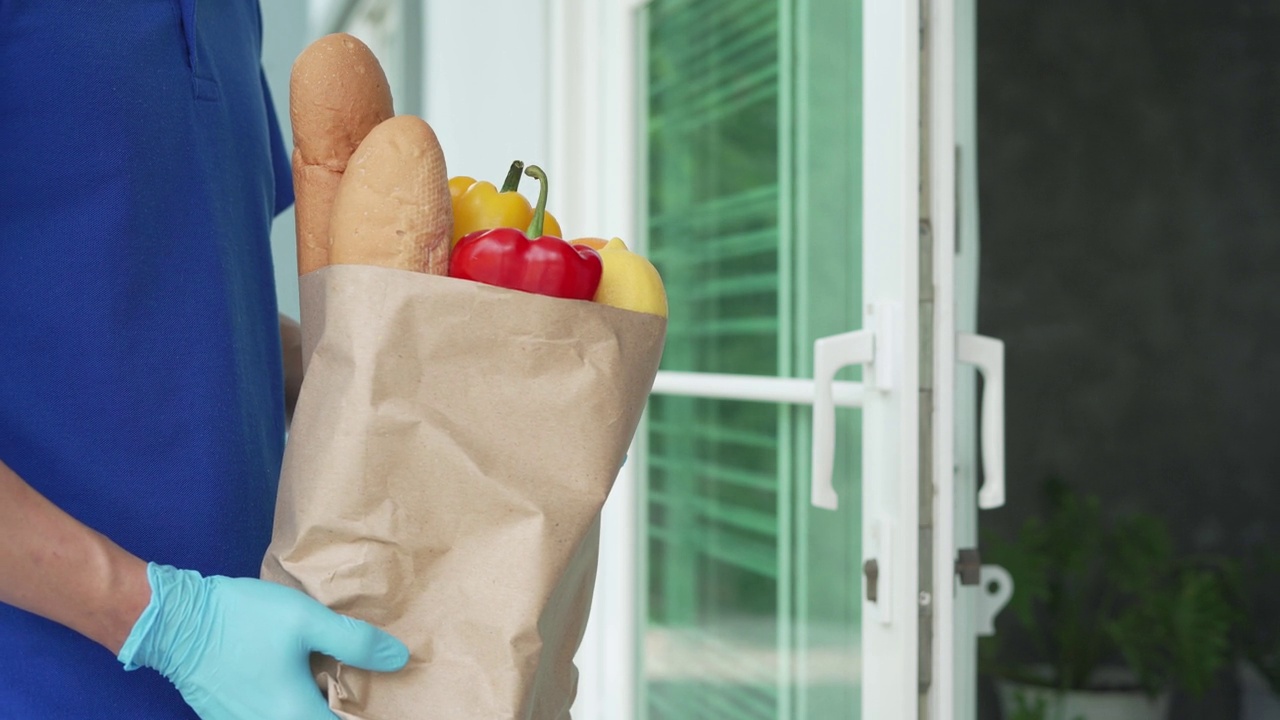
(449, 455)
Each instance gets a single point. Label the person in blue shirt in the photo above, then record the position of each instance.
(142, 384)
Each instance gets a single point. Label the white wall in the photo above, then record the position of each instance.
(485, 86)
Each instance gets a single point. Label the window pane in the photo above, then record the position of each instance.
(752, 130)
(711, 644)
(711, 647)
(713, 181)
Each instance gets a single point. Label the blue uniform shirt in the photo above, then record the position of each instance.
(141, 387)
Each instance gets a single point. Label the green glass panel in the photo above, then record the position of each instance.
(713, 593)
(828, 268)
(752, 214)
(713, 169)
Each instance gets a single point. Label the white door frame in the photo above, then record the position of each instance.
(940, 137)
(891, 422)
(594, 147)
(965, 292)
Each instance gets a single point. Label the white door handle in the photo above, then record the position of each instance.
(873, 347)
(987, 354)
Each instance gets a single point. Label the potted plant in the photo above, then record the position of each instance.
(1258, 638)
(1106, 619)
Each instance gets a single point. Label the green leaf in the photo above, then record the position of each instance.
(1200, 625)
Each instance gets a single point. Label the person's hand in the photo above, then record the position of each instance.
(239, 648)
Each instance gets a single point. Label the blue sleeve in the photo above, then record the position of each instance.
(280, 159)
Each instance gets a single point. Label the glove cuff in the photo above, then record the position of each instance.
(152, 642)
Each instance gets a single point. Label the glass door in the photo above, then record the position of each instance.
(751, 127)
(764, 154)
(758, 199)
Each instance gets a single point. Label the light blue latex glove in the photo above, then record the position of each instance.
(239, 648)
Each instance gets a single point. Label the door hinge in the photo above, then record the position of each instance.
(969, 566)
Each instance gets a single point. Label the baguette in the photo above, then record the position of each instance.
(393, 207)
(337, 94)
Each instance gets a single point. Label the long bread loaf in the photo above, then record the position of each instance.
(337, 94)
(393, 207)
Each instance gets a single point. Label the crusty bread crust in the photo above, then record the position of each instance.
(393, 207)
(337, 94)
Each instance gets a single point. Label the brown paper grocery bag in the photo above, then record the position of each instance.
(448, 459)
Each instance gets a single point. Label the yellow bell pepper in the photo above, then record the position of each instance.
(459, 185)
(629, 280)
(481, 206)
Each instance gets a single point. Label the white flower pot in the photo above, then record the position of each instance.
(1086, 704)
(1257, 702)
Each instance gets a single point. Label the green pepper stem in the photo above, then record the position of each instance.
(512, 183)
(540, 211)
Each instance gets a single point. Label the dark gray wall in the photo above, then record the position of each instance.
(1130, 204)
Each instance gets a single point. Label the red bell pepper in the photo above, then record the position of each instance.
(530, 262)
